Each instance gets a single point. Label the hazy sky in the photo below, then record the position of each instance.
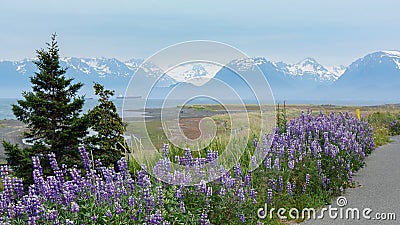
(333, 32)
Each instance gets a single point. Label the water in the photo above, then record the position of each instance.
(5, 108)
(132, 106)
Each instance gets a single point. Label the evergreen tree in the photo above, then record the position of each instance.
(21, 162)
(107, 143)
(52, 109)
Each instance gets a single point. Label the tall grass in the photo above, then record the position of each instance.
(384, 124)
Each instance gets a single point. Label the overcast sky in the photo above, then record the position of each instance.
(333, 32)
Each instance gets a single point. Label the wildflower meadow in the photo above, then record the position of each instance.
(305, 164)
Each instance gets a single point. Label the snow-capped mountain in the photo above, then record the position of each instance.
(378, 69)
(308, 68)
(194, 73)
(114, 74)
(102, 66)
(374, 75)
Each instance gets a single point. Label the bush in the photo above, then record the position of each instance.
(394, 127)
(384, 125)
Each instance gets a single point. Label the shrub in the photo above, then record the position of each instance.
(384, 125)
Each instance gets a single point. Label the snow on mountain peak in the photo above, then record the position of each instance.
(381, 57)
(395, 56)
(336, 70)
(248, 63)
(198, 72)
(392, 53)
(310, 67)
(308, 61)
(195, 73)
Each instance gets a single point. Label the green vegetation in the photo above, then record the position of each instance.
(52, 112)
(107, 144)
(384, 124)
(304, 167)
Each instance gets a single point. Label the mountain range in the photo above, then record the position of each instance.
(374, 76)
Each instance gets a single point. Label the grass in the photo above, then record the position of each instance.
(378, 116)
(381, 125)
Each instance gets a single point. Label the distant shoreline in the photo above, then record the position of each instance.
(12, 129)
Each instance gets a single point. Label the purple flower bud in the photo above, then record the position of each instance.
(289, 188)
(269, 196)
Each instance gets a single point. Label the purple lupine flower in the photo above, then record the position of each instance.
(241, 217)
(237, 170)
(211, 156)
(179, 193)
(202, 187)
(269, 196)
(253, 194)
(123, 167)
(247, 179)
(131, 201)
(36, 164)
(182, 206)
(289, 188)
(52, 215)
(319, 165)
(276, 164)
(209, 191)
(108, 213)
(204, 219)
(222, 191)
(74, 207)
(118, 208)
(280, 183)
(165, 150)
(130, 183)
(160, 196)
(87, 163)
(268, 163)
(272, 183)
(155, 218)
(306, 183)
(188, 158)
(291, 164)
(255, 142)
(240, 194)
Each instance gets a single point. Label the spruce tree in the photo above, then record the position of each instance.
(51, 110)
(107, 144)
